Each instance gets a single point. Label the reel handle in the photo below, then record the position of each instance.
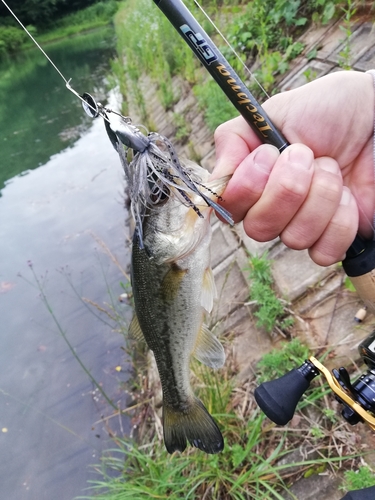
(365, 494)
(278, 398)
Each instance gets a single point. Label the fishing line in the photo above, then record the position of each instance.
(36, 43)
(67, 82)
(233, 50)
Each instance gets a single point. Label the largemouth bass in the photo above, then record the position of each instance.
(172, 285)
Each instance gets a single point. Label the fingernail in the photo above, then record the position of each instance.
(300, 156)
(265, 158)
(346, 196)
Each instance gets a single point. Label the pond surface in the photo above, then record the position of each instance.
(61, 206)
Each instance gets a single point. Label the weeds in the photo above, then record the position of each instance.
(148, 44)
(345, 54)
(270, 310)
(259, 461)
(263, 33)
(13, 39)
(363, 477)
(215, 105)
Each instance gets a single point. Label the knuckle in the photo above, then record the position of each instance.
(328, 189)
(292, 189)
(259, 231)
(297, 238)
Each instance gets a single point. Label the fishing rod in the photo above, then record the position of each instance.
(359, 264)
(222, 72)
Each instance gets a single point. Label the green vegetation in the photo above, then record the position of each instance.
(99, 14)
(345, 55)
(13, 38)
(216, 106)
(42, 13)
(263, 33)
(148, 45)
(364, 477)
(270, 310)
(259, 460)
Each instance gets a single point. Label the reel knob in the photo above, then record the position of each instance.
(365, 494)
(278, 398)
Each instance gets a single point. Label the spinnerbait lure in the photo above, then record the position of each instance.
(153, 169)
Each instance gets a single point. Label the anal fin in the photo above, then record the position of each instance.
(208, 350)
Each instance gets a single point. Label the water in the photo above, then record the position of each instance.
(63, 198)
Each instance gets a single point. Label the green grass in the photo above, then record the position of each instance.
(215, 105)
(269, 309)
(14, 39)
(363, 477)
(263, 32)
(254, 463)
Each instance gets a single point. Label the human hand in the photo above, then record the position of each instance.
(319, 192)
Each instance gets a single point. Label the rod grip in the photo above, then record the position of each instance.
(365, 494)
(359, 265)
(278, 398)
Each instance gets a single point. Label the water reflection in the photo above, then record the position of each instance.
(38, 116)
(53, 421)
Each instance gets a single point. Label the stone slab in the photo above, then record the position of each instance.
(249, 345)
(318, 486)
(359, 42)
(232, 287)
(294, 272)
(305, 72)
(333, 39)
(224, 242)
(252, 246)
(367, 61)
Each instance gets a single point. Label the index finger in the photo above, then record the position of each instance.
(234, 140)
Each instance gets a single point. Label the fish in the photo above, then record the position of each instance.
(172, 281)
(173, 285)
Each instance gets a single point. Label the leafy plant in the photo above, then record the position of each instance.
(345, 54)
(12, 38)
(270, 310)
(364, 477)
(148, 44)
(279, 361)
(183, 128)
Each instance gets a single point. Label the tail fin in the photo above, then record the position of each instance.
(195, 425)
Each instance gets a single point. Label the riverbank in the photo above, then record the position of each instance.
(14, 39)
(308, 457)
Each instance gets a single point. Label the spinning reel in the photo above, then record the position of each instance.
(278, 398)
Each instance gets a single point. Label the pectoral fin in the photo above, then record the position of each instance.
(208, 350)
(208, 290)
(172, 282)
(135, 332)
